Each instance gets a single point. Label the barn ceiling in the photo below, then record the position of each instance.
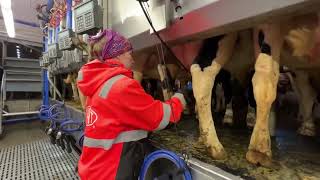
(26, 23)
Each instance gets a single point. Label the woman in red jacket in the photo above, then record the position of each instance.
(119, 113)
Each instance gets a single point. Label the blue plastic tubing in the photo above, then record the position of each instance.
(164, 154)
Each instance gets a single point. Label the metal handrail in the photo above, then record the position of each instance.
(53, 85)
(1, 98)
(20, 113)
(2, 88)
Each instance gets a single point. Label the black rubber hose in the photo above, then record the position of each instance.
(52, 138)
(68, 146)
(58, 142)
(264, 47)
(63, 147)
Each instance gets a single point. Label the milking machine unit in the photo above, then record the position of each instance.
(60, 56)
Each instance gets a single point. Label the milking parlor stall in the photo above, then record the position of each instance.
(249, 70)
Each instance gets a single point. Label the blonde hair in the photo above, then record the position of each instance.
(95, 49)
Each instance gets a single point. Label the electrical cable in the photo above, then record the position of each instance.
(159, 37)
(144, 5)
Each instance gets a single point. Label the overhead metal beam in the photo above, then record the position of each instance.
(21, 41)
(211, 18)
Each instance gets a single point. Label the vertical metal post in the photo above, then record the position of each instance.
(106, 21)
(69, 14)
(54, 89)
(2, 89)
(73, 19)
(49, 37)
(1, 103)
(56, 34)
(45, 98)
(45, 46)
(4, 55)
(46, 88)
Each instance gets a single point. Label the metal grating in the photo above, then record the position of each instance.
(80, 23)
(38, 160)
(88, 17)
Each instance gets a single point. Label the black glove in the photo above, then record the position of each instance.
(187, 93)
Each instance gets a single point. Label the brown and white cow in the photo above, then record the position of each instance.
(293, 41)
(290, 41)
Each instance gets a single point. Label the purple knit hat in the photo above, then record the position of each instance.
(116, 44)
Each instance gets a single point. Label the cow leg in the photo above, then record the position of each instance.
(202, 82)
(75, 91)
(71, 79)
(137, 75)
(140, 69)
(163, 77)
(74, 87)
(219, 102)
(307, 97)
(265, 82)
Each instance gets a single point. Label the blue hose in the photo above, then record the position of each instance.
(44, 113)
(60, 118)
(62, 125)
(163, 154)
(81, 139)
(55, 114)
(64, 128)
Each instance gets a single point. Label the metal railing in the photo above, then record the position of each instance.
(1, 99)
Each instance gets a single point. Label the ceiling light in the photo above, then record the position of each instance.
(8, 17)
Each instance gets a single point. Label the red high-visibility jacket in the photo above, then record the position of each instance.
(119, 114)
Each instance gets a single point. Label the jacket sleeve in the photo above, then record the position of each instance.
(144, 112)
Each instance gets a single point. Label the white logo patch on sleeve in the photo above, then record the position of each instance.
(92, 116)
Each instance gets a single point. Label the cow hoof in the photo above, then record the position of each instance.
(259, 158)
(218, 154)
(307, 130)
